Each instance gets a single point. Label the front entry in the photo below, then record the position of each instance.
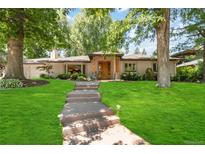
(104, 70)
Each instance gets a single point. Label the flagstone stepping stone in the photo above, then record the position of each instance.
(83, 99)
(115, 134)
(91, 83)
(88, 125)
(83, 110)
(87, 85)
(84, 93)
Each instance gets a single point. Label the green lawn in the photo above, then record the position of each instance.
(161, 116)
(29, 115)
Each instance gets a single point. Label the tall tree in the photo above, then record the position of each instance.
(89, 31)
(144, 52)
(192, 32)
(162, 30)
(147, 24)
(137, 51)
(22, 27)
(93, 30)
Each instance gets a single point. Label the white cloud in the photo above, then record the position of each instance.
(122, 9)
(131, 33)
(69, 18)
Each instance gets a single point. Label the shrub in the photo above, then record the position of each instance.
(46, 76)
(149, 74)
(10, 83)
(81, 74)
(64, 76)
(188, 73)
(130, 76)
(74, 76)
(81, 78)
(78, 76)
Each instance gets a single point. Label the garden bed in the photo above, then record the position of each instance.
(32, 83)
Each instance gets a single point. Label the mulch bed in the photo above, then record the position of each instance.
(32, 83)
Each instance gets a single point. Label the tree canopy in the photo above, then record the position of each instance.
(44, 29)
(25, 30)
(94, 30)
(89, 32)
(192, 33)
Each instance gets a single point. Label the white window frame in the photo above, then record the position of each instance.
(134, 69)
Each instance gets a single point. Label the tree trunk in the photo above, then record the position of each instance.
(203, 80)
(163, 50)
(14, 68)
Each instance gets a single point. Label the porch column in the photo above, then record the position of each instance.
(81, 68)
(66, 68)
(114, 67)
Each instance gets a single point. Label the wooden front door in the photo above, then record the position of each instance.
(104, 70)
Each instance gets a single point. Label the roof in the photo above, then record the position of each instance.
(191, 63)
(105, 53)
(186, 53)
(86, 59)
(142, 57)
(66, 59)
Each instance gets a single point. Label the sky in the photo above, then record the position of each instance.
(120, 14)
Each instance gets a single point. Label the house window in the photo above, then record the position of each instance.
(130, 67)
(74, 68)
(155, 67)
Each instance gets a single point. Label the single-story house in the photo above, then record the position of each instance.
(98, 64)
(192, 63)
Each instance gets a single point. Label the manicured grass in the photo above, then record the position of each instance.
(29, 115)
(161, 116)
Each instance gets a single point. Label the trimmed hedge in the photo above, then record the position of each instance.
(10, 83)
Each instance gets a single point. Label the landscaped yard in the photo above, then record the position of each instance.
(29, 115)
(161, 116)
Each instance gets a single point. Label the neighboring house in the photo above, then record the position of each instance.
(189, 57)
(189, 52)
(96, 65)
(192, 63)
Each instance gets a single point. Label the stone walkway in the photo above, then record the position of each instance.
(85, 120)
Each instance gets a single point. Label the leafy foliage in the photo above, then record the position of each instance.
(10, 83)
(143, 22)
(89, 32)
(191, 74)
(94, 30)
(2, 68)
(44, 29)
(46, 76)
(130, 76)
(74, 76)
(192, 32)
(64, 76)
(149, 74)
